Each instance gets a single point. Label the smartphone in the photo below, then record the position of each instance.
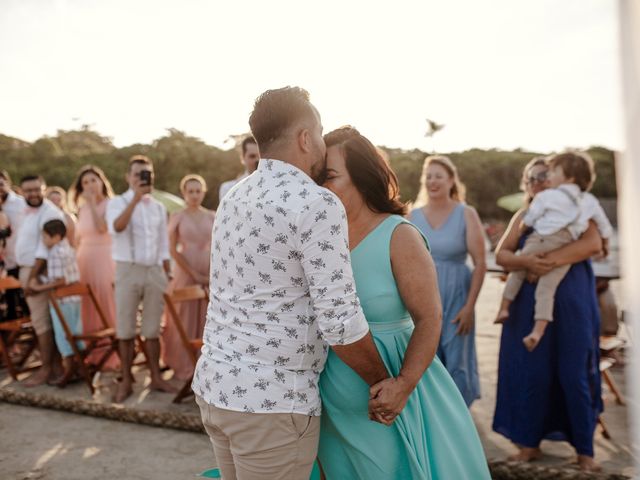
(145, 178)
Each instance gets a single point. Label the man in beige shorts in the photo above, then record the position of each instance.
(31, 255)
(138, 225)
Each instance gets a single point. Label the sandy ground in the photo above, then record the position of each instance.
(44, 444)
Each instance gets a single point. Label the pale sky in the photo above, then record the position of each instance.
(537, 74)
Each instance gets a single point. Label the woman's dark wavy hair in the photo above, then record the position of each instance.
(369, 171)
(76, 188)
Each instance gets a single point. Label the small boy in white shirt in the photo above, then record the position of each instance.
(558, 215)
(62, 270)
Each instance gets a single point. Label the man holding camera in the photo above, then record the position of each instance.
(138, 225)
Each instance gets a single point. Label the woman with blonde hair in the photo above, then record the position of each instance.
(190, 246)
(58, 197)
(89, 195)
(454, 232)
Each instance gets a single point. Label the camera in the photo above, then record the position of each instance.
(145, 178)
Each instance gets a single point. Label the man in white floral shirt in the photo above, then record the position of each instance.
(282, 292)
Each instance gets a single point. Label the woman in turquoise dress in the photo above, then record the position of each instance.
(455, 232)
(422, 428)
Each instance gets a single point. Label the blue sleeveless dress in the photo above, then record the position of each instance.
(449, 250)
(554, 392)
(434, 437)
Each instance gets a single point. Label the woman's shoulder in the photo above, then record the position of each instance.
(470, 213)
(405, 232)
(174, 219)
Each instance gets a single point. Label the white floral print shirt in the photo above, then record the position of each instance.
(282, 290)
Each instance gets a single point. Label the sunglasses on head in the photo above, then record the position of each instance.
(539, 177)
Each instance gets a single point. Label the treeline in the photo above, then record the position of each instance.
(488, 174)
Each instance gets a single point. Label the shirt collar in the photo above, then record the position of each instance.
(572, 189)
(12, 196)
(273, 167)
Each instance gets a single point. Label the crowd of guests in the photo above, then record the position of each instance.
(130, 252)
(122, 246)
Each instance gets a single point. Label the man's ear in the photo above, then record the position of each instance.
(304, 140)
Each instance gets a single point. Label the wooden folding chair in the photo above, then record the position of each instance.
(191, 345)
(16, 333)
(609, 347)
(104, 339)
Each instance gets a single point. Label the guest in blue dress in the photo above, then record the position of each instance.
(431, 433)
(553, 392)
(454, 231)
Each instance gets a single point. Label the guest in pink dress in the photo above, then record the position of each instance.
(190, 245)
(90, 194)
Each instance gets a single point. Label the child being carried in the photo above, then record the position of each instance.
(558, 215)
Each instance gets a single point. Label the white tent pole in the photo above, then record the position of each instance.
(629, 20)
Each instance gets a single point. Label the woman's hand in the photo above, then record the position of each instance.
(465, 320)
(388, 398)
(89, 196)
(538, 265)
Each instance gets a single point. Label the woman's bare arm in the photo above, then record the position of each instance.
(476, 247)
(508, 245)
(99, 221)
(506, 250)
(174, 241)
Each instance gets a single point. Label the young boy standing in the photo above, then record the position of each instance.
(62, 270)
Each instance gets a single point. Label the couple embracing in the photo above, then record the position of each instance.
(323, 294)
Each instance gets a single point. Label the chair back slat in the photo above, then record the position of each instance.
(93, 339)
(9, 283)
(187, 294)
(194, 292)
(69, 290)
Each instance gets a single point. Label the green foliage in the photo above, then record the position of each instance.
(175, 155)
(491, 174)
(487, 174)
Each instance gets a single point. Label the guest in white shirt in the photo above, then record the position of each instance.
(282, 291)
(250, 157)
(138, 224)
(31, 254)
(13, 205)
(558, 216)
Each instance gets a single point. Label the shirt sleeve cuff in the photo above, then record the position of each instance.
(350, 331)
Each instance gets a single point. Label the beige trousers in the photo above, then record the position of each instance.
(261, 446)
(134, 284)
(38, 305)
(547, 284)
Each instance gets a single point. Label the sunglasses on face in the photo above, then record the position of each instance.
(540, 177)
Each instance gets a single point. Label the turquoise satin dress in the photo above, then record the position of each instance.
(434, 437)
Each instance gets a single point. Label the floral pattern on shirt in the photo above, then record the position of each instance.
(281, 291)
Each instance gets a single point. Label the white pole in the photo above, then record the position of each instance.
(629, 18)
